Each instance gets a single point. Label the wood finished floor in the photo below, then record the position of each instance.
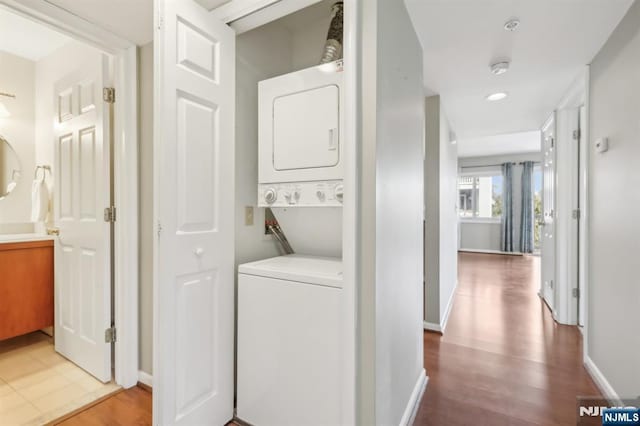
(502, 359)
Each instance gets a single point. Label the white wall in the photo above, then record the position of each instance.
(392, 214)
(145, 191)
(441, 219)
(485, 235)
(18, 78)
(614, 199)
(480, 235)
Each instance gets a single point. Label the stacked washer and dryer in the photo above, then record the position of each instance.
(289, 307)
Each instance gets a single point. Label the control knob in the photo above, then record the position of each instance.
(339, 192)
(270, 195)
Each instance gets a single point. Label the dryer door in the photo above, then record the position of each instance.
(306, 129)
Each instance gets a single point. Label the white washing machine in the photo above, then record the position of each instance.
(289, 340)
(301, 138)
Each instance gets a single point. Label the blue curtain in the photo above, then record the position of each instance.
(507, 207)
(527, 216)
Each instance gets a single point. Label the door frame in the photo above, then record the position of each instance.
(245, 15)
(125, 158)
(576, 96)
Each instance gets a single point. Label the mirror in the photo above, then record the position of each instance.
(10, 171)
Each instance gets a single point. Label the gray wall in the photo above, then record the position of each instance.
(391, 357)
(145, 160)
(614, 200)
(441, 219)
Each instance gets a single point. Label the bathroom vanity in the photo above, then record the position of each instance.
(26, 284)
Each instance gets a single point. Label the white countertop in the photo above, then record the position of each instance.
(19, 238)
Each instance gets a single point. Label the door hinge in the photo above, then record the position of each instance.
(576, 135)
(575, 214)
(551, 284)
(110, 214)
(575, 292)
(553, 142)
(109, 95)
(110, 335)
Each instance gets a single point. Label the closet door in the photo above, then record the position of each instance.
(194, 174)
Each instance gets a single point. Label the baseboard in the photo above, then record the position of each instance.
(432, 326)
(145, 378)
(447, 312)
(414, 402)
(601, 382)
(506, 253)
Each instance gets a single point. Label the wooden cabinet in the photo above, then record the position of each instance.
(26, 287)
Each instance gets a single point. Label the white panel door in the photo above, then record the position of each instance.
(547, 246)
(194, 311)
(82, 191)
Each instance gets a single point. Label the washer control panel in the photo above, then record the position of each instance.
(301, 194)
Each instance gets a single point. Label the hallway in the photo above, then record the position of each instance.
(502, 359)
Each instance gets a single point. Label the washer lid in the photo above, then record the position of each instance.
(294, 267)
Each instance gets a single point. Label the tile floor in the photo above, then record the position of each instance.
(38, 385)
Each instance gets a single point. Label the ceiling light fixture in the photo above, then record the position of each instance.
(512, 24)
(500, 67)
(496, 96)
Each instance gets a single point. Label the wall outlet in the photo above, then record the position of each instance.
(248, 216)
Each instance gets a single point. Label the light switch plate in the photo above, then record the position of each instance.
(248, 216)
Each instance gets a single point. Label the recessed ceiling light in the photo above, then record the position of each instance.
(500, 67)
(512, 24)
(496, 96)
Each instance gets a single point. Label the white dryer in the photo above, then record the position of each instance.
(289, 340)
(301, 137)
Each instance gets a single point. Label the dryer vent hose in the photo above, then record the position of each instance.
(333, 45)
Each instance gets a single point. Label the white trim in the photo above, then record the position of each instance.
(351, 211)
(432, 326)
(585, 215)
(445, 318)
(482, 251)
(601, 382)
(126, 170)
(440, 328)
(73, 25)
(409, 415)
(245, 15)
(145, 378)
(126, 252)
(489, 220)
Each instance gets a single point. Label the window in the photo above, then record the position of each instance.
(480, 196)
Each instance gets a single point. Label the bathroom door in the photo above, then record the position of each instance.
(194, 193)
(82, 191)
(547, 222)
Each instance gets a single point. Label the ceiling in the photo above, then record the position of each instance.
(131, 20)
(461, 38)
(511, 143)
(27, 39)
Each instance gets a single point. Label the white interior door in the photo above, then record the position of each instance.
(82, 191)
(194, 174)
(547, 246)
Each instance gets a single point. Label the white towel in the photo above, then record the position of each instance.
(39, 201)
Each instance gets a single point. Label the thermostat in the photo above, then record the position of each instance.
(602, 145)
